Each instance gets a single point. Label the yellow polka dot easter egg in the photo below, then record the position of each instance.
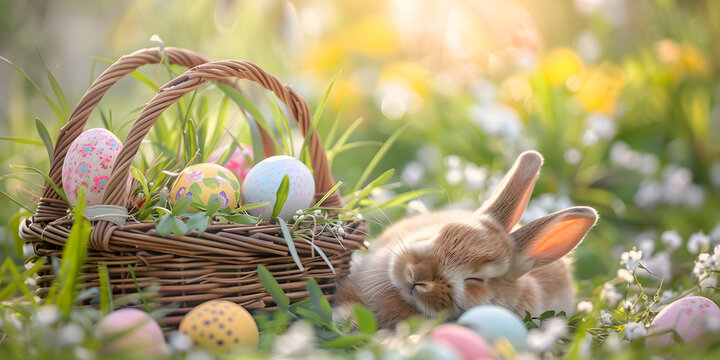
(220, 325)
(200, 181)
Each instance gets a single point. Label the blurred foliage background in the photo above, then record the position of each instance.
(620, 96)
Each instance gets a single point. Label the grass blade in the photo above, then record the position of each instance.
(332, 190)
(290, 243)
(73, 257)
(322, 255)
(280, 197)
(49, 101)
(315, 119)
(47, 178)
(333, 129)
(379, 155)
(45, 136)
(21, 140)
(255, 113)
(106, 297)
(273, 288)
(59, 95)
(369, 188)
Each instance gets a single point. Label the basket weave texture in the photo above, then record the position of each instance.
(220, 263)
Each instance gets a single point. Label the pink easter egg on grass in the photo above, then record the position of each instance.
(131, 330)
(464, 341)
(693, 318)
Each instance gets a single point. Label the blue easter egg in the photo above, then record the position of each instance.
(495, 322)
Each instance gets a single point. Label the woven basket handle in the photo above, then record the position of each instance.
(115, 192)
(50, 206)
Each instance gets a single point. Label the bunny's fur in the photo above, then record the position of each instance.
(450, 261)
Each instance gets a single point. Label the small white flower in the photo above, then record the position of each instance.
(611, 295)
(715, 234)
(671, 239)
(541, 340)
(29, 265)
(667, 296)
(631, 259)
(298, 341)
(341, 232)
(71, 334)
(606, 318)
(318, 212)
(585, 307)
(626, 275)
(47, 315)
(299, 211)
(697, 242)
(635, 330)
(180, 342)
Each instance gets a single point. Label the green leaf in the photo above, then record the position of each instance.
(47, 178)
(240, 219)
(182, 205)
(281, 196)
(21, 140)
(383, 178)
(106, 296)
(327, 194)
(45, 136)
(199, 222)
(320, 303)
(59, 95)
(365, 320)
(49, 101)
(140, 177)
(290, 243)
(165, 225)
(346, 341)
(256, 118)
(547, 315)
(315, 120)
(400, 199)
(379, 155)
(213, 205)
(179, 227)
(73, 258)
(333, 129)
(251, 206)
(273, 288)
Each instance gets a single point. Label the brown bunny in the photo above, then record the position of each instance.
(450, 261)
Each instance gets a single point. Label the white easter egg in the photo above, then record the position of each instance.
(89, 163)
(263, 181)
(495, 322)
(693, 318)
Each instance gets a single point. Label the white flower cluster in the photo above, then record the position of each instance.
(631, 259)
(707, 263)
(540, 340)
(475, 177)
(635, 330)
(675, 188)
(623, 156)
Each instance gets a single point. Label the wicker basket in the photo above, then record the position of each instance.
(189, 269)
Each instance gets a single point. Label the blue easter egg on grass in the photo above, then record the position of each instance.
(495, 322)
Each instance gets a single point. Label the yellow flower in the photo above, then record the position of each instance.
(373, 35)
(325, 56)
(413, 75)
(561, 64)
(601, 87)
(682, 60)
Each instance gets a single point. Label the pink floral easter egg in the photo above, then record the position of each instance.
(238, 161)
(692, 317)
(88, 165)
(264, 179)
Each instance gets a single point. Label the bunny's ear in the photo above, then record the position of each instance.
(551, 237)
(512, 195)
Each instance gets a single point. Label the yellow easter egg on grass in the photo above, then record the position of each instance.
(201, 181)
(220, 325)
